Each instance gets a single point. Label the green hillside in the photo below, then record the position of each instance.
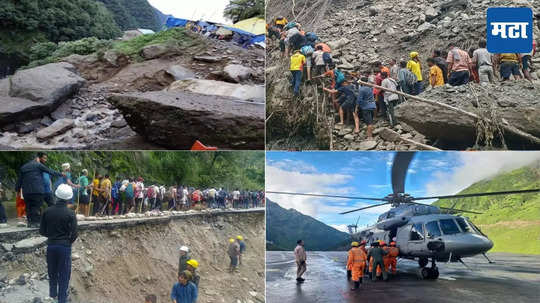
(132, 14)
(286, 226)
(508, 220)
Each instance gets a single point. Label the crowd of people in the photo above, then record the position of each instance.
(102, 196)
(310, 58)
(377, 261)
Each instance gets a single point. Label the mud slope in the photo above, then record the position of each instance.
(124, 264)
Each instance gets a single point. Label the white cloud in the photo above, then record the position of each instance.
(476, 166)
(292, 165)
(279, 179)
(340, 227)
(208, 10)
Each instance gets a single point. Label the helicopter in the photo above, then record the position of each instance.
(421, 231)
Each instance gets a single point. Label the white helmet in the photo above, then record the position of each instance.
(184, 248)
(65, 166)
(64, 192)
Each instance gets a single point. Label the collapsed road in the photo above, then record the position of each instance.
(123, 259)
(512, 278)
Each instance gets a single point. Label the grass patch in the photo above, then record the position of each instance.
(174, 37)
(520, 240)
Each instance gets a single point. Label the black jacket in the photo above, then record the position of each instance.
(59, 224)
(31, 178)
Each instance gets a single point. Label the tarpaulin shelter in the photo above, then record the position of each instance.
(176, 22)
(255, 26)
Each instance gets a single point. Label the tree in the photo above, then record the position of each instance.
(238, 10)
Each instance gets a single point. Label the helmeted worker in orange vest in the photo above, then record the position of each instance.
(357, 261)
(349, 265)
(363, 247)
(386, 258)
(393, 252)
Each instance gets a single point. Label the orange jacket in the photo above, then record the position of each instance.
(393, 252)
(356, 257)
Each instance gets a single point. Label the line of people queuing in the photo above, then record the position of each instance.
(312, 59)
(101, 196)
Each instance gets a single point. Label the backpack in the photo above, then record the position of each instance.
(327, 58)
(129, 191)
(290, 25)
(410, 78)
(339, 76)
(115, 190)
(311, 37)
(150, 192)
(307, 50)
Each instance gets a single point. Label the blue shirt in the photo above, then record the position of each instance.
(184, 293)
(242, 246)
(47, 183)
(365, 98)
(346, 92)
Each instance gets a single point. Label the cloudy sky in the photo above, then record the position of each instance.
(208, 10)
(368, 174)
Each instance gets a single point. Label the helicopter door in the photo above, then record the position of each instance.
(416, 239)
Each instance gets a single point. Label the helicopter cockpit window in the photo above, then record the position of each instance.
(417, 232)
(433, 230)
(463, 225)
(449, 227)
(391, 214)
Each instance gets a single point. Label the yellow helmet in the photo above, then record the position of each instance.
(413, 55)
(240, 238)
(231, 240)
(354, 244)
(193, 263)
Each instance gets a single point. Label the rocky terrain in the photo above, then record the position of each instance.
(362, 32)
(123, 259)
(67, 105)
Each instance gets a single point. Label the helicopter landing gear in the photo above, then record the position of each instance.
(422, 262)
(431, 273)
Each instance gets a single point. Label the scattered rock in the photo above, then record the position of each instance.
(29, 244)
(237, 73)
(208, 59)
(180, 73)
(57, 128)
(153, 51)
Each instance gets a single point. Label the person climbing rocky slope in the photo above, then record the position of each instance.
(122, 260)
(68, 105)
(363, 32)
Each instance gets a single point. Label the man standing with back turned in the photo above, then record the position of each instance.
(301, 257)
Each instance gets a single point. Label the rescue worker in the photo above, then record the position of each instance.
(192, 265)
(242, 245)
(356, 261)
(393, 252)
(184, 291)
(363, 247)
(184, 257)
(233, 251)
(377, 253)
(349, 265)
(386, 258)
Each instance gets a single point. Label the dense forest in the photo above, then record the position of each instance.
(243, 169)
(25, 23)
(238, 10)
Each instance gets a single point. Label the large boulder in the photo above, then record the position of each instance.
(337, 44)
(17, 109)
(514, 103)
(180, 73)
(220, 88)
(237, 73)
(37, 91)
(177, 119)
(57, 128)
(154, 51)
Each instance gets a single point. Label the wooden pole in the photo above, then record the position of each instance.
(509, 128)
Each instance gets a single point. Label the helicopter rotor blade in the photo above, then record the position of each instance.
(402, 160)
(371, 206)
(327, 196)
(480, 194)
(453, 209)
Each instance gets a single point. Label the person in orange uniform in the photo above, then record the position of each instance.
(393, 252)
(356, 261)
(386, 258)
(363, 248)
(349, 264)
